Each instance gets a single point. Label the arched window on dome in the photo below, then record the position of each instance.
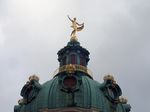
(82, 61)
(64, 60)
(73, 59)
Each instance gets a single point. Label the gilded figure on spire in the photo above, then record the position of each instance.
(76, 27)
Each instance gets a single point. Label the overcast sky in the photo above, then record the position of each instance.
(117, 34)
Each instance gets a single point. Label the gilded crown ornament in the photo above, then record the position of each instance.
(109, 77)
(123, 100)
(22, 101)
(76, 27)
(33, 77)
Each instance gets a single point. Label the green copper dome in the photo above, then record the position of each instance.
(72, 89)
(88, 96)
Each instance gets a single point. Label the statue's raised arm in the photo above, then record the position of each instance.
(70, 18)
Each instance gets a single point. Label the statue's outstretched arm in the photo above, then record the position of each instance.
(70, 18)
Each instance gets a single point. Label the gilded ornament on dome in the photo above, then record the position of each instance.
(123, 100)
(76, 27)
(109, 77)
(33, 77)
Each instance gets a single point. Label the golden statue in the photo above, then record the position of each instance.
(76, 27)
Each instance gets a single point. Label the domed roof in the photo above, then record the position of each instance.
(72, 88)
(52, 97)
(88, 94)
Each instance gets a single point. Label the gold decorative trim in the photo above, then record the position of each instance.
(72, 68)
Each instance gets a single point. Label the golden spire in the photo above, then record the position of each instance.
(76, 27)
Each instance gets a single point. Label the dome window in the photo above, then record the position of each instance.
(82, 61)
(64, 60)
(69, 82)
(73, 59)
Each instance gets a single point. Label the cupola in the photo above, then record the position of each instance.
(73, 53)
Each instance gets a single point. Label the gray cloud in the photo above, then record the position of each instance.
(116, 33)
